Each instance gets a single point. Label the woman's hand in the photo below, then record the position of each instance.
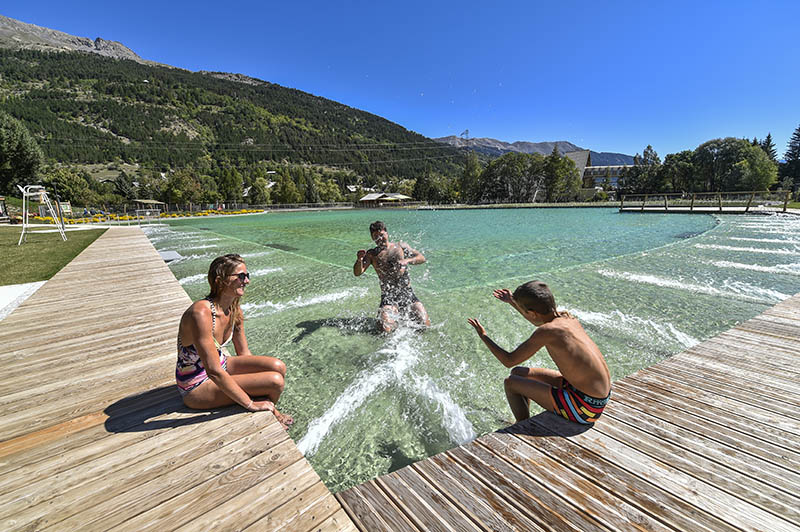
(262, 406)
(478, 327)
(504, 295)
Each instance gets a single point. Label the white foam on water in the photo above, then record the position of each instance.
(791, 269)
(458, 427)
(767, 240)
(268, 307)
(748, 290)
(401, 355)
(193, 278)
(193, 256)
(265, 271)
(739, 290)
(255, 254)
(642, 328)
(750, 250)
(189, 245)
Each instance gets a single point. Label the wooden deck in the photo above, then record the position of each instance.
(93, 434)
(706, 440)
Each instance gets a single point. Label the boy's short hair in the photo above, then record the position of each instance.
(377, 226)
(535, 296)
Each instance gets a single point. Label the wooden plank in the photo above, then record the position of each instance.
(376, 512)
(133, 486)
(615, 513)
(408, 491)
(739, 513)
(698, 395)
(731, 388)
(710, 499)
(522, 491)
(338, 522)
(724, 467)
(492, 512)
(674, 399)
(595, 462)
(716, 373)
(268, 496)
(301, 513)
(739, 435)
(146, 504)
(130, 416)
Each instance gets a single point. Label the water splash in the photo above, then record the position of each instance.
(401, 354)
(268, 307)
(459, 429)
(265, 271)
(642, 328)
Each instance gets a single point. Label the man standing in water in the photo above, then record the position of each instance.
(391, 260)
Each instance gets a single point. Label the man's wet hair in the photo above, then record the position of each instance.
(536, 296)
(377, 226)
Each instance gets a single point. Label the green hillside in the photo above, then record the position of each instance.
(84, 109)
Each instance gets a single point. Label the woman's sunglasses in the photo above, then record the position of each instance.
(242, 276)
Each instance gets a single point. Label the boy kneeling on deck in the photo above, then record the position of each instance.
(581, 387)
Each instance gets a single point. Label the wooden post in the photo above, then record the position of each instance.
(691, 205)
(749, 201)
(719, 200)
(786, 200)
(644, 201)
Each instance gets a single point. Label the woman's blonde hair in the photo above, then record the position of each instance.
(218, 272)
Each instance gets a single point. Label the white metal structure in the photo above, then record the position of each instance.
(147, 215)
(39, 193)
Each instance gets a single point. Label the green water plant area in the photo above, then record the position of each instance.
(41, 256)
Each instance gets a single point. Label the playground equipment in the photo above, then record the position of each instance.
(39, 193)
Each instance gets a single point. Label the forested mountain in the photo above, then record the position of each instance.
(83, 108)
(495, 148)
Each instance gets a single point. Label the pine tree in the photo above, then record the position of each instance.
(793, 148)
(792, 167)
(769, 148)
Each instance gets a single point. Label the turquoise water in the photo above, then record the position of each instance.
(645, 286)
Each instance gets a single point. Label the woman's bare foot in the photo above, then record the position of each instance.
(284, 419)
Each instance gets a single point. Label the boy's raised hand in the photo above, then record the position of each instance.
(504, 295)
(478, 327)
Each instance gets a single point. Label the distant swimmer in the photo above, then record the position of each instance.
(581, 387)
(391, 260)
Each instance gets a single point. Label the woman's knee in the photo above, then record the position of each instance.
(274, 379)
(280, 367)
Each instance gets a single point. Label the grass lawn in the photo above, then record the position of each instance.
(42, 256)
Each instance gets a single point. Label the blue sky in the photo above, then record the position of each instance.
(609, 76)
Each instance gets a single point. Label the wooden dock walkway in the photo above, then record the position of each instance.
(93, 434)
(706, 440)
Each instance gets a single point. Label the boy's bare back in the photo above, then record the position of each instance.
(577, 356)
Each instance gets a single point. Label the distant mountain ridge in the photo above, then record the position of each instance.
(496, 148)
(16, 34)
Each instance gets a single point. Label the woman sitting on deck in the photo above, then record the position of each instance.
(207, 377)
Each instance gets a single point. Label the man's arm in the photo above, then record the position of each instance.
(411, 255)
(363, 260)
(526, 349)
